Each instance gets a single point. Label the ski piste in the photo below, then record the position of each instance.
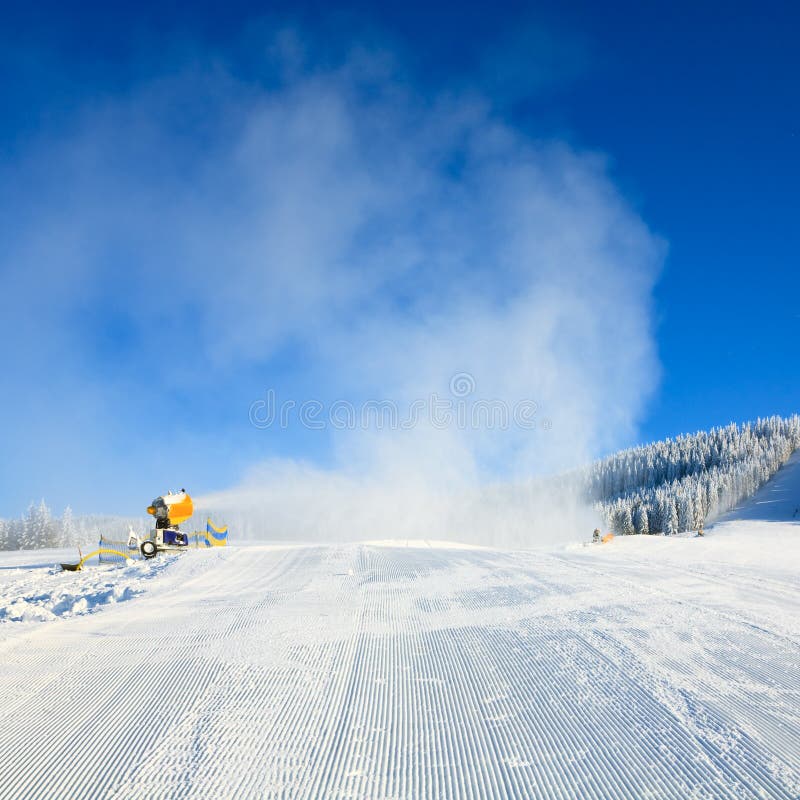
(650, 666)
(653, 667)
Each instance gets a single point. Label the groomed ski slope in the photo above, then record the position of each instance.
(648, 668)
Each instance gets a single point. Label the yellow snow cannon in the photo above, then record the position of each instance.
(169, 511)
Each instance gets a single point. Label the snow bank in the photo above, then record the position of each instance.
(33, 587)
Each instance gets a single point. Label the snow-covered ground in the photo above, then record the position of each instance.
(33, 589)
(778, 500)
(650, 667)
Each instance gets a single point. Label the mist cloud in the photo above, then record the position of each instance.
(340, 235)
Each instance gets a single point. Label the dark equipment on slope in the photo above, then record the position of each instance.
(74, 567)
(169, 511)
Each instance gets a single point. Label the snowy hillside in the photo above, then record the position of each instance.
(778, 500)
(660, 667)
(681, 484)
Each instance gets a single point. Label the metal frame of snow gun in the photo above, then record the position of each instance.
(84, 559)
(149, 548)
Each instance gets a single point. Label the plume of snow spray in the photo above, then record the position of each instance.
(461, 250)
(390, 247)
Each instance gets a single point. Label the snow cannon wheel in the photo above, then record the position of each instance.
(148, 549)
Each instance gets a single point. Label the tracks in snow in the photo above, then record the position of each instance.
(379, 672)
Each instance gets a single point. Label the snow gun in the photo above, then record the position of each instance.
(169, 511)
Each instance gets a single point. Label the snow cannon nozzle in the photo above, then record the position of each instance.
(171, 509)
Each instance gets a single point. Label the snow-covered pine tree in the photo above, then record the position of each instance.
(68, 530)
(13, 534)
(672, 526)
(38, 529)
(698, 507)
(626, 529)
(29, 529)
(640, 520)
(685, 511)
(49, 527)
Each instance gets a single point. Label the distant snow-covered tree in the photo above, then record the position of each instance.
(68, 530)
(640, 520)
(685, 511)
(672, 526)
(29, 530)
(623, 521)
(680, 483)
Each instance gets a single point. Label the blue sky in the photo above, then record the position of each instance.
(594, 207)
